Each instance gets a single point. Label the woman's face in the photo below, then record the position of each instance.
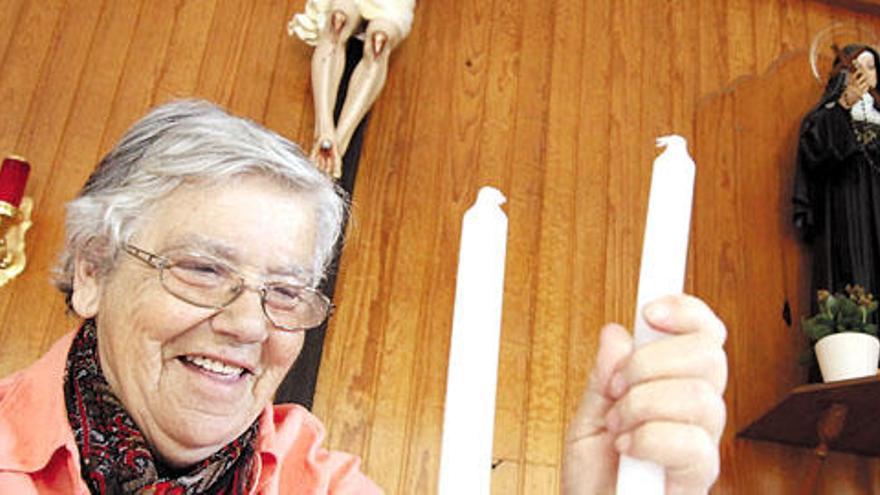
(866, 60)
(193, 378)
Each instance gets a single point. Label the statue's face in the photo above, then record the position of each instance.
(866, 60)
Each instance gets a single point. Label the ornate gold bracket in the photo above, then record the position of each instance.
(14, 223)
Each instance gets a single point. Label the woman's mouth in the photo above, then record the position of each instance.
(213, 366)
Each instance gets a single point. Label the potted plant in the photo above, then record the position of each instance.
(845, 339)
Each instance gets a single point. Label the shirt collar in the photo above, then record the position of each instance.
(33, 416)
(284, 427)
(34, 422)
(266, 455)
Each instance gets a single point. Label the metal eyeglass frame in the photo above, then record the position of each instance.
(160, 263)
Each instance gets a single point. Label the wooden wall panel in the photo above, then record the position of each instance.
(23, 58)
(226, 39)
(186, 49)
(39, 136)
(83, 121)
(258, 58)
(289, 103)
(10, 18)
(557, 104)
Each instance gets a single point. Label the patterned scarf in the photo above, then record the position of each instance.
(116, 458)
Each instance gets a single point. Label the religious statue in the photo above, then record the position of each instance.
(328, 25)
(837, 186)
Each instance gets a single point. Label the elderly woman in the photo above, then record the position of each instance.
(192, 256)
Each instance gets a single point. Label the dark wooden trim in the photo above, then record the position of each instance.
(867, 6)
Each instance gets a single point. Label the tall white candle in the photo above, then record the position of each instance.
(469, 415)
(664, 256)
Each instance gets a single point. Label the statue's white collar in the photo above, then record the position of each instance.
(864, 111)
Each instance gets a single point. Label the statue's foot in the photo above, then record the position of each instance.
(325, 154)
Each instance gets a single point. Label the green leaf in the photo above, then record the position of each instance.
(823, 320)
(841, 313)
(829, 306)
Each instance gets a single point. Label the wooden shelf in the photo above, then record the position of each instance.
(795, 420)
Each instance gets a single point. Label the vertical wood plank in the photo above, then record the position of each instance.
(713, 57)
(504, 478)
(79, 149)
(541, 478)
(685, 74)
(591, 194)
(524, 210)
(719, 270)
(38, 140)
(768, 33)
(740, 38)
(627, 179)
(226, 40)
(794, 27)
(265, 31)
(496, 158)
(550, 333)
(417, 233)
(289, 103)
(143, 68)
(557, 104)
(22, 61)
(9, 22)
(186, 50)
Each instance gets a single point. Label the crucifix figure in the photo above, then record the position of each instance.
(328, 25)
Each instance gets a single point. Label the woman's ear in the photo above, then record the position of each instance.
(86, 286)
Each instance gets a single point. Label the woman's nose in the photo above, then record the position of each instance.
(243, 318)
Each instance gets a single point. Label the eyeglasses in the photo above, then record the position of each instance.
(208, 283)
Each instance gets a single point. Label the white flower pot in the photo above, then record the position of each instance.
(847, 355)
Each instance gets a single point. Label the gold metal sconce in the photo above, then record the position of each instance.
(15, 217)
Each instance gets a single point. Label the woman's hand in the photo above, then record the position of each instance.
(661, 402)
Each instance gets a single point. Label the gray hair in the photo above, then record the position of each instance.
(186, 142)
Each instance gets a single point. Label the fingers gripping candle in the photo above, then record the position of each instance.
(664, 256)
(469, 415)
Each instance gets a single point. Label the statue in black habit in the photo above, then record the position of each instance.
(837, 186)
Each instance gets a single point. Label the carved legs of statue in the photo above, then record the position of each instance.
(328, 63)
(368, 78)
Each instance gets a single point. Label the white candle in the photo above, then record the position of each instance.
(469, 415)
(664, 256)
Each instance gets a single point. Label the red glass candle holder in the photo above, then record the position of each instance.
(15, 216)
(13, 179)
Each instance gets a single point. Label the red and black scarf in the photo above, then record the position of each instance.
(116, 458)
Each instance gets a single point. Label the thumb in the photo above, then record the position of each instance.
(615, 345)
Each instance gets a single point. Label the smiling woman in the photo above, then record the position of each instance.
(203, 374)
(193, 253)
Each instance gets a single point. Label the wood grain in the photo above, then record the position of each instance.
(557, 104)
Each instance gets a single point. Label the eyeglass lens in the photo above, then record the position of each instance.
(207, 283)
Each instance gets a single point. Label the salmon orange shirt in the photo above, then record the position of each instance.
(38, 454)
